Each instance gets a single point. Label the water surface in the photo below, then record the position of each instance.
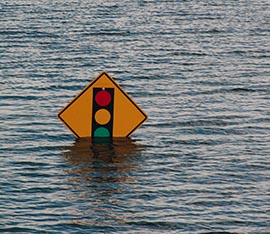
(199, 69)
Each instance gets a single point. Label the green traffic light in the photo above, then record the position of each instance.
(101, 132)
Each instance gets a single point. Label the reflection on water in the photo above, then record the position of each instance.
(103, 160)
(100, 175)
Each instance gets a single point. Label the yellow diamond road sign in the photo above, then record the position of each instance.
(102, 109)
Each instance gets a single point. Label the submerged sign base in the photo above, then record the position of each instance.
(102, 109)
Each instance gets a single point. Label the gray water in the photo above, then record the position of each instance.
(199, 69)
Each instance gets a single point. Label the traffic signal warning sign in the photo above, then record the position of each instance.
(102, 109)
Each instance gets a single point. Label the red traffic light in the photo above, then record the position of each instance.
(103, 98)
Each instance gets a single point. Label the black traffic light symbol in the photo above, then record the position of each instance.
(102, 117)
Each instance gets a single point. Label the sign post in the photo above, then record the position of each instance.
(102, 109)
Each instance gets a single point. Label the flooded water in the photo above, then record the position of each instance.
(199, 69)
